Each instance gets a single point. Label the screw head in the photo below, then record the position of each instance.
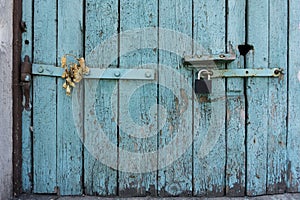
(117, 74)
(41, 69)
(27, 78)
(148, 74)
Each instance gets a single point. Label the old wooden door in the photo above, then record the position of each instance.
(151, 134)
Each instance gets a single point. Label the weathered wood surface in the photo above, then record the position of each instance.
(277, 114)
(236, 113)
(242, 142)
(210, 151)
(69, 145)
(175, 179)
(6, 144)
(27, 114)
(293, 148)
(257, 98)
(101, 24)
(137, 14)
(44, 99)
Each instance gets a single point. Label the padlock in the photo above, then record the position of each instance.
(202, 85)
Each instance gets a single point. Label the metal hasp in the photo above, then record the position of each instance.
(238, 73)
(96, 73)
(26, 70)
(197, 61)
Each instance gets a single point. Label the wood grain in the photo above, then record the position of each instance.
(175, 179)
(277, 131)
(209, 149)
(69, 146)
(44, 99)
(293, 181)
(235, 148)
(257, 96)
(6, 122)
(27, 42)
(136, 14)
(101, 24)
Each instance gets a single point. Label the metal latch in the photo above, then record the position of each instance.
(97, 73)
(239, 73)
(197, 61)
(26, 71)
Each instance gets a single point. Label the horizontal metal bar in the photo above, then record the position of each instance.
(236, 73)
(196, 60)
(96, 73)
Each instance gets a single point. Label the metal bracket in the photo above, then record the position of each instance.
(26, 71)
(197, 60)
(238, 73)
(97, 73)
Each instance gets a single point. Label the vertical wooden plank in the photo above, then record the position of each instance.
(69, 146)
(137, 14)
(6, 105)
(294, 100)
(210, 111)
(44, 99)
(27, 114)
(175, 179)
(101, 24)
(236, 155)
(276, 174)
(257, 98)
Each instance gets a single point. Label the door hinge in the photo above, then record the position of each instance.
(26, 77)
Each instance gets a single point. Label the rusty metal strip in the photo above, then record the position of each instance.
(17, 98)
(238, 73)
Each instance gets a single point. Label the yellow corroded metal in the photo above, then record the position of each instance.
(73, 72)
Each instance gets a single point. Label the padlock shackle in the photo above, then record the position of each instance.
(201, 71)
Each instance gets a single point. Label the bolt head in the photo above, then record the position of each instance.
(117, 74)
(27, 78)
(41, 69)
(148, 74)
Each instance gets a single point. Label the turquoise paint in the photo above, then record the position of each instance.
(101, 24)
(293, 148)
(209, 121)
(218, 163)
(257, 122)
(137, 14)
(235, 117)
(27, 115)
(277, 133)
(44, 99)
(69, 146)
(175, 179)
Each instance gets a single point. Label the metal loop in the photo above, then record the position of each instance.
(204, 70)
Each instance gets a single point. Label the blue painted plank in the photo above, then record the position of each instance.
(69, 145)
(210, 111)
(101, 25)
(277, 168)
(27, 115)
(175, 96)
(235, 130)
(257, 98)
(294, 100)
(140, 117)
(44, 99)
